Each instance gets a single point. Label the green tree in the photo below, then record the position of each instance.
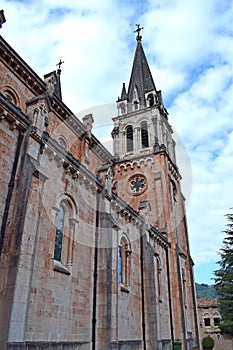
(224, 278)
(208, 343)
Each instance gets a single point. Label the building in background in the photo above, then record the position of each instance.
(94, 247)
(209, 320)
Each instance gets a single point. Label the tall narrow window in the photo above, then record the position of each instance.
(59, 234)
(207, 321)
(159, 269)
(173, 192)
(144, 135)
(124, 262)
(120, 267)
(129, 138)
(184, 287)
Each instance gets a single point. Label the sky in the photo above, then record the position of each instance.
(189, 47)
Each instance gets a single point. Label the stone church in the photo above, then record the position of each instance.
(94, 246)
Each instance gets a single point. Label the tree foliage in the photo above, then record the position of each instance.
(224, 278)
(208, 343)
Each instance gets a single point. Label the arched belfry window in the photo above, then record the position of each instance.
(129, 138)
(151, 100)
(60, 219)
(124, 253)
(144, 135)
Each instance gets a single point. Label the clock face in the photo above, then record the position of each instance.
(137, 184)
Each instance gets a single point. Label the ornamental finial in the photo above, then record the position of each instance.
(138, 30)
(59, 66)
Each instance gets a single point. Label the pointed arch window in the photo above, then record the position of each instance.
(124, 253)
(144, 135)
(173, 193)
(65, 222)
(129, 138)
(59, 234)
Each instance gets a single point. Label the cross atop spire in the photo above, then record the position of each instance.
(138, 30)
(59, 66)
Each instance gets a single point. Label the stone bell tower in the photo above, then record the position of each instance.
(143, 143)
(147, 176)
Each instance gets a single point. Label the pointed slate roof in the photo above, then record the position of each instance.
(140, 76)
(123, 93)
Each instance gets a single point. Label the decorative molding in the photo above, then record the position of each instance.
(135, 163)
(158, 238)
(15, 63)
(13, 115)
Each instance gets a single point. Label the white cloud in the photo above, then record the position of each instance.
(189, 48)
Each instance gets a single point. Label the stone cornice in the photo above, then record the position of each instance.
(135, 113)
(14, 116)
(74, 124)
(173, 170)
(20, 68)
(126, 210)
(72, 166)
(138, 162)
(158, 237)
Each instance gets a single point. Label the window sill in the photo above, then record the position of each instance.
(124, 288)
(59, 267)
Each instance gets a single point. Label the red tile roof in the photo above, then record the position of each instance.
(204, 302)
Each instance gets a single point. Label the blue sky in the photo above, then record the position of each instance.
(189, 48)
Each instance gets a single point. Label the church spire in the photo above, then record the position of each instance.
(141, 79)
(141, 91)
